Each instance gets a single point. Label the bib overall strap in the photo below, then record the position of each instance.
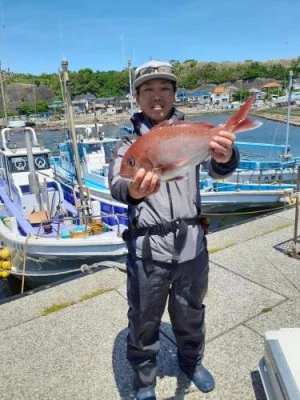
(178, 226)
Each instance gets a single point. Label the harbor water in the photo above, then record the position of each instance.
(269, 132)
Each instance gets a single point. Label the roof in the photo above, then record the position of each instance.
(199, 93)
(220, 89)
(271, 85)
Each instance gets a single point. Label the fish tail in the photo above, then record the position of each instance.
(239, 122)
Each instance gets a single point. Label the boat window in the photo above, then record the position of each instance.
(108, 148)
(92, 148)
(41, 161)
(18, 164)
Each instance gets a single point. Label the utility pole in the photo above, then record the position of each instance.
(66, 85)
(290, 86)
(3, 96)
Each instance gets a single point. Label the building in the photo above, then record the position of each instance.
(199, 97)
(80, 106)
(221, 95)
(56, 105)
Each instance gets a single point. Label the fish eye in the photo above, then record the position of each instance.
(131, 162)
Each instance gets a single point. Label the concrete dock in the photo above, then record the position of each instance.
(79, 352)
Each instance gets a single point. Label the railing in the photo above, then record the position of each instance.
(71, 227)
(296, 251)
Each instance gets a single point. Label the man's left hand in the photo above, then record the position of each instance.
(221, 147)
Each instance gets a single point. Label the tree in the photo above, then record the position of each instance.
(41, 106)
(190, 73)
(25, 109)
(240, 95)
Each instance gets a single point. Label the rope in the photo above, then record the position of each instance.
(108, 264)
(83, 268)
(249, 212)
(24, 263)
(70, 271)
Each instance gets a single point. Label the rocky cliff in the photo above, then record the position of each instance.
(18, 93)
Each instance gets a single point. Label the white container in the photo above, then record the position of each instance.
(105, 170)
(68, 221)
(95, 208)
(279, 367)
(12, 224)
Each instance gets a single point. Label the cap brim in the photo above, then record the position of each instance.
(145, 78)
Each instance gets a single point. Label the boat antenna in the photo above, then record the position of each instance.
(290, 86)
(130, 86)
(66, 85)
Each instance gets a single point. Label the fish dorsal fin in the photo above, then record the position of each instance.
(204, 124)
(167, 123)
(171, 123)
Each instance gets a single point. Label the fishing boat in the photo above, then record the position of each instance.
(50, 236)
(280, 166)
(262, 170)
(220, 196)
(215, 194)
(94, 152)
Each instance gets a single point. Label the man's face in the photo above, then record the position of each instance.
(156, 99)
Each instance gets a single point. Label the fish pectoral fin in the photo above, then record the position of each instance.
(168, 167)
(177, 178)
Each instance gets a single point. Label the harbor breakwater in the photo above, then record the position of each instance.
(279, 115)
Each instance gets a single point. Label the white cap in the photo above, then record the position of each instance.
(155, 74)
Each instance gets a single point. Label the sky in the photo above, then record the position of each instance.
(35, 35)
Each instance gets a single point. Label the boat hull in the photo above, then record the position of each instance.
(245, 200)
(42, 260)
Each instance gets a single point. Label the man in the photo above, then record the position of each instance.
(166, 260)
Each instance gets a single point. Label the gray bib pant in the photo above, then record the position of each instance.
(184, 285)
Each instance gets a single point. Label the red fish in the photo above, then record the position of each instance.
(171, 148)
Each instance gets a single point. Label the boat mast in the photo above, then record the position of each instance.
(33, 180)
(130, 87)
(290, 85)
(66, 84)
(3, 96)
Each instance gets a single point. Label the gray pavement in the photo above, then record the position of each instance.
(79, 352)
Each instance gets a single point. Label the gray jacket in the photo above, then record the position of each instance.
(176, 199)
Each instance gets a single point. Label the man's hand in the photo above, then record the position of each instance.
(221, 146)
(144, 184)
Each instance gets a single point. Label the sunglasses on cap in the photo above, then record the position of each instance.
(164, 69)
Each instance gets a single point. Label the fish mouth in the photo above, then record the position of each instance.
(124, 178)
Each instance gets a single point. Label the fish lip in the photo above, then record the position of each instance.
(126, 179)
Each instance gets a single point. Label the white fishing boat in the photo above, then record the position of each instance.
(216, 195)
(219, 196)
(280, 166)
(263, 170)
(49, 236)
(94, 152)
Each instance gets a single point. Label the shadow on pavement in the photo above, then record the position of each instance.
(167, 365)
(257, 386)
